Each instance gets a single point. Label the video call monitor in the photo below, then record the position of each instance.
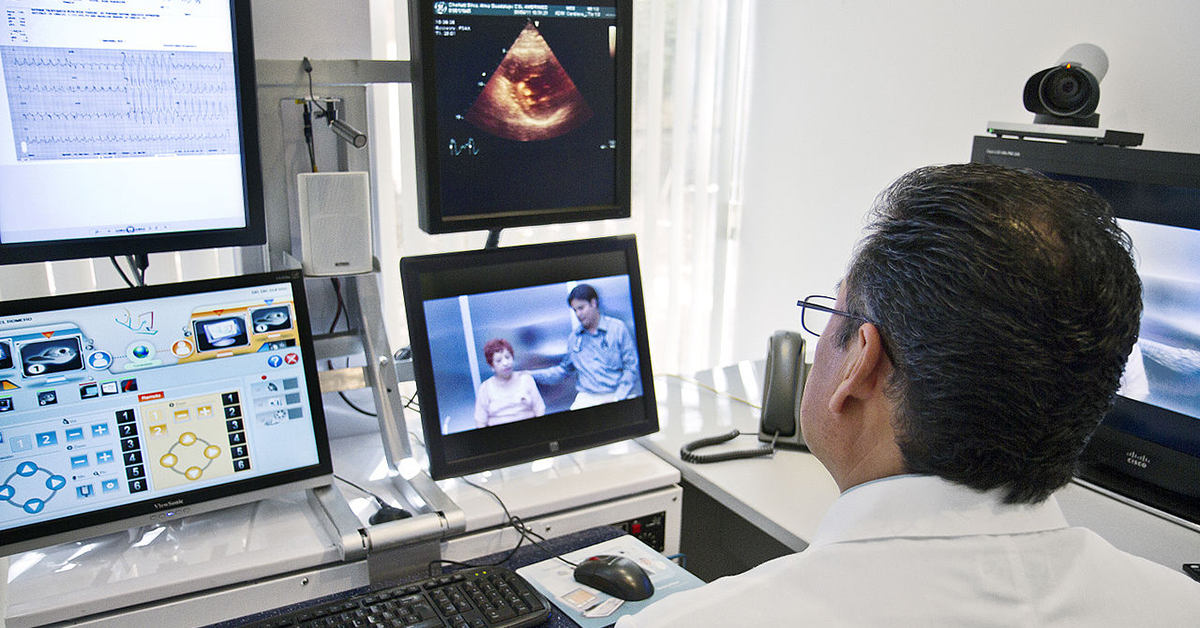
(522, 112)
(127, 128)
(522, 353)
(1148, 447)
(129, 407)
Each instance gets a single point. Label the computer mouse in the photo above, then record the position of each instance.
(617, 576)
(389, 513)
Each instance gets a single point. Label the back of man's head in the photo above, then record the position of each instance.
(1010, 303)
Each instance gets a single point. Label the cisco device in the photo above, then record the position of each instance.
(1148, 447)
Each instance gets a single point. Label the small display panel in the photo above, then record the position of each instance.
(526, 352)
(123, 406)
(522, 112)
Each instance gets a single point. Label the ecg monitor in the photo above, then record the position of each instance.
(522, 112)
(522, 353)
(130, 407)
(127, 127)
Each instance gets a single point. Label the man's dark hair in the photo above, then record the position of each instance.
(583, 291)
(1010, 303)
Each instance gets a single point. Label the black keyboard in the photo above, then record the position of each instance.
(485, 597)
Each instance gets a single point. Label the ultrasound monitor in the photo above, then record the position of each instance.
(1148, 446)
(522, 353)
(522, 112)
(127, 128)
(130, 407)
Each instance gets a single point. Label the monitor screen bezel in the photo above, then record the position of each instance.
(432, 215)
(481, 271)
(1149, 473)
(253, 233)
(162, 508)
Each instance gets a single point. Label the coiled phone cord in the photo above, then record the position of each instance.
(687, 452)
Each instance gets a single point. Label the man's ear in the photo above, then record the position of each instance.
(864, 371)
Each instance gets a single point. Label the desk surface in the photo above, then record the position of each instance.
(285, 535)
(785, 496)
(529, 490)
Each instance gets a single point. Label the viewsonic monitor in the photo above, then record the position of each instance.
(130, 407)
(522, 112)
(1148, 447)
(509, 370)
(127, 128)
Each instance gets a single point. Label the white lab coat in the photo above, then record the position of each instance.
(920, 551)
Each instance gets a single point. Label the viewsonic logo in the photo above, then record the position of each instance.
(171, 504)
(1138, 460)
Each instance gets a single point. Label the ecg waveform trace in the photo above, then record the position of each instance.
(71, 103)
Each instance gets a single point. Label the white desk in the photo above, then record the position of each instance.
(785, 497)
(196, 570)
(225, 564)
(555, 496)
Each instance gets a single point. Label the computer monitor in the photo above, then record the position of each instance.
(522, 112)
(522, 353)
(127, 128)
(129, 407)
(1148, 446)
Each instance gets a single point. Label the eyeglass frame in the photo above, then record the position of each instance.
(804, 304)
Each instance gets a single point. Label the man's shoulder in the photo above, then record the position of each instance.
(613, 324)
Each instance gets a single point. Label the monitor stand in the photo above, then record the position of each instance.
(394, 545)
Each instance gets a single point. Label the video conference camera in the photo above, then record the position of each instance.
(1068, 92)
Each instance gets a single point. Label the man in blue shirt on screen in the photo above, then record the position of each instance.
(601, 353)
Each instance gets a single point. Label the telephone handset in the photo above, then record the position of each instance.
(779, 423)
(782, 388)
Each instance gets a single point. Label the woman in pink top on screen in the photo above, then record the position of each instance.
(507, 396)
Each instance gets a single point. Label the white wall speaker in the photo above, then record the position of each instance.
(335, 223)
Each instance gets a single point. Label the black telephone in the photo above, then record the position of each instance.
(779, 423)
(782, 388)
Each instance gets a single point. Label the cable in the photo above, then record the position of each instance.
(121, 271)
(527, 534)
(386, 511)
(308, 136)
(357, 409)
(138, 263)
(687, 452)
(517, 523)
(360, 489)
(308, 68)
(337, 315)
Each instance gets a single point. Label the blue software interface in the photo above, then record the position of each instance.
(113, 404)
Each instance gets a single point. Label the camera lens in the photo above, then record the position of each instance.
(1065, 92)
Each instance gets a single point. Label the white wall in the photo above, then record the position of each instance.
(847, 95)
(317, 29)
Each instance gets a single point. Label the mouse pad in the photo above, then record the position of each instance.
(591, 608)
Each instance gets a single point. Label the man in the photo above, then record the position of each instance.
(982, 328)
(601, 352)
